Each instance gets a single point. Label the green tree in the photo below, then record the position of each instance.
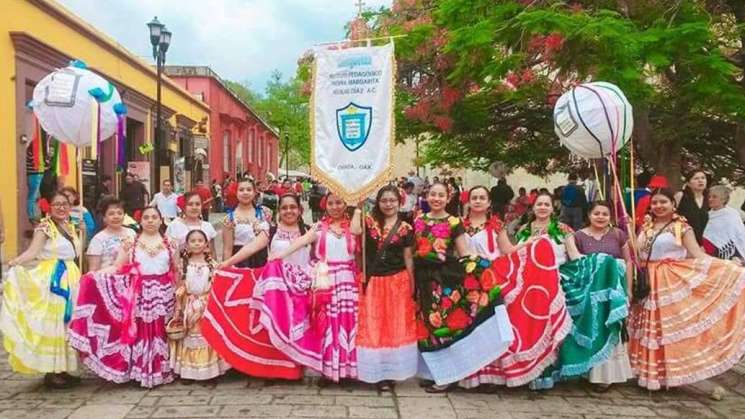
(478, 78)
(284, 106)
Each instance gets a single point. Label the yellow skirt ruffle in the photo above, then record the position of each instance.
(32, 319)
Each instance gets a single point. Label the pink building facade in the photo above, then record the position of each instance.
(240, 140)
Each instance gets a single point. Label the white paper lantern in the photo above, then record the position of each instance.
(63, 103)
(593, 120)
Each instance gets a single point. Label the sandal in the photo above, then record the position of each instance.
(435, 389)
(385, 385)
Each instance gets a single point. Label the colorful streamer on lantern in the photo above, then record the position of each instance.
(60, 162)
(95, 127)
(121, 136)
(37, 147)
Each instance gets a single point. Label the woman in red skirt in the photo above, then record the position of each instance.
(230, 324)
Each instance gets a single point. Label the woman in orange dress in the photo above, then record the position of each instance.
(691, 326)
(386, 340)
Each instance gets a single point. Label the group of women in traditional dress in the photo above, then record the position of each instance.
(453, 300)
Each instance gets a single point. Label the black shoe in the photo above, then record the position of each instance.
(55, 381)
(385, 385)
(71, 379)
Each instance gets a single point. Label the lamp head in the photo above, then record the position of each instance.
(165, 39)
(156, 28)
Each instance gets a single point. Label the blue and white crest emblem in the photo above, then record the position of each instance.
(353, 124)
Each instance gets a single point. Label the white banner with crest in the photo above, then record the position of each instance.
(351, 119)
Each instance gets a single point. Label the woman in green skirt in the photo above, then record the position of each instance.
(596, 287)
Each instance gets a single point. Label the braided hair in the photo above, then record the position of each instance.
(186, 254)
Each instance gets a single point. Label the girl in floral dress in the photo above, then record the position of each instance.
(386, 340)
(320, 330)
(119, 324)
(487, 238)
(459, 332)
(191, 357)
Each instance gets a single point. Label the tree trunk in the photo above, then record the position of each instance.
(664, 157)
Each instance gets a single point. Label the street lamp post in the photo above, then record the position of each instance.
(160, 39)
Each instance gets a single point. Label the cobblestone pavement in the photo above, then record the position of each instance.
(237, 396)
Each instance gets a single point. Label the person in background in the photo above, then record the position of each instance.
(206, 195)
(104, 246)
(230, 192)
(416, 181)
(79, 215)
(573, 202)
(217, 195)
(190, 219)
(34, 176)
(297, 188)
(724, 235)
(591, 187)
(317, 192)
(501, 195)
(409, 203)
(165, 200)
(105, 188)
(454, 207)
(285, 188)
(692, 202)
(133, 194)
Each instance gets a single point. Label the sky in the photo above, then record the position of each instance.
(242, 40)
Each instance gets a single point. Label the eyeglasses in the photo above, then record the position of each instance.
(60, 205)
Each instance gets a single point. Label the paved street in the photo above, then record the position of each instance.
(239, 396)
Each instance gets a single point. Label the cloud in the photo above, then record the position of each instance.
(243, 40)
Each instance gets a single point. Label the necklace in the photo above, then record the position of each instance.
(538, 229)
(152, 248)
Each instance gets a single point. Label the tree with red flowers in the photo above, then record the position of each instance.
(478, 79)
